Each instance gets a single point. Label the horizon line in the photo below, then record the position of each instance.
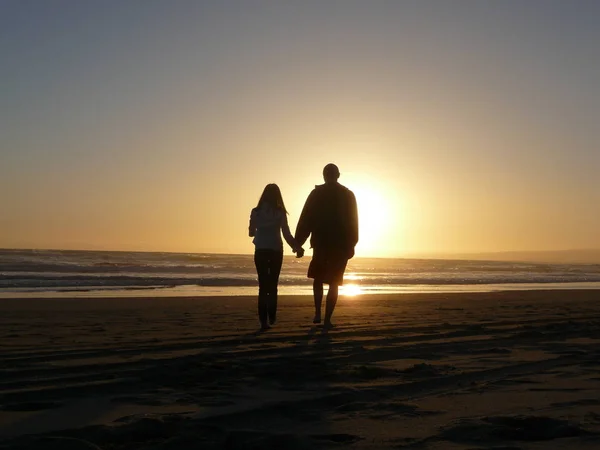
(411, 255)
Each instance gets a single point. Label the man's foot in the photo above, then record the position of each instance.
(264, 326)
(317, 318)
(272, 321)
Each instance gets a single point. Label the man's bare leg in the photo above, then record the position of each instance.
(332, 296)
(318, 294)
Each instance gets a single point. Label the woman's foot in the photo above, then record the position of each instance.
(328, 325)
(317, 318)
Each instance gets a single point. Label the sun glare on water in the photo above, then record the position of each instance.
(350, 290)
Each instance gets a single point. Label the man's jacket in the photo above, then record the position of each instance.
(330, 217)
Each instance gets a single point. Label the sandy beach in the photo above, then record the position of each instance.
(504, 370)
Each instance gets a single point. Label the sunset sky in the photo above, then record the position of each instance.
(462, 126)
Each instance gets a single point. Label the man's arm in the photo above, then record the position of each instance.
(352, 221)
(252, 224)
(305, 223)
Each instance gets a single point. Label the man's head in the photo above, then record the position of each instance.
(331, 173)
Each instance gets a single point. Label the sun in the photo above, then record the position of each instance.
(376, 217)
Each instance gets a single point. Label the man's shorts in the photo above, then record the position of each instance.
(328, 266)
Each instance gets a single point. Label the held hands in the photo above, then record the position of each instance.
(299, 252)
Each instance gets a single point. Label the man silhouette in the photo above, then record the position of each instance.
(330, 216)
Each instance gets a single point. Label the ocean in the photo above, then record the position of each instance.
(68, 273)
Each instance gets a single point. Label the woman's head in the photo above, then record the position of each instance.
(271, 196)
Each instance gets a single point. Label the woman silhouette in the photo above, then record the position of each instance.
(267, 221)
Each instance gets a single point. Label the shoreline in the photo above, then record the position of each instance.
(348, 289)
(382, 296)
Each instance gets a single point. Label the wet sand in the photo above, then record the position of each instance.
(505, 370)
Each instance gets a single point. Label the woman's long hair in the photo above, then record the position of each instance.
(272, 196)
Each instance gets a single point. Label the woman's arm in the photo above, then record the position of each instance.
(287, 234)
